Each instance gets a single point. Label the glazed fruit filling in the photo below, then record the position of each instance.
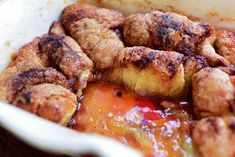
(155, 126)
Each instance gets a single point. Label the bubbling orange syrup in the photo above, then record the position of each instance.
(155, 126)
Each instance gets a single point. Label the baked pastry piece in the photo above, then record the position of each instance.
(64, 54)
(215, 136)
(225, 45)
(44, 76)
(172, 32)
(154, 73)
(212, 92)
(91, 27)
(49, 101)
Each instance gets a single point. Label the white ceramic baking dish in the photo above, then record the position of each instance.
(22, 20)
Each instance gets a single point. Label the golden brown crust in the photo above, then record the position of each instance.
(166, 31)
(64, 54)
(26, 60)
(142, 58)
(106, 50)
(33, 67)
(54, 107)
(106, 17)
(149, 72)
(136, 27)
(192, 64)
(17, 82)
(215, 137)
(229, 70)
(27, 57)
(172, 32)
(49, 101)
(213, 93)
(56, 28)
(225, 45)
(89, 26)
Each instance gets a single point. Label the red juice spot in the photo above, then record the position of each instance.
(148, 109)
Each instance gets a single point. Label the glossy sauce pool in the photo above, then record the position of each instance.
(154, 126)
